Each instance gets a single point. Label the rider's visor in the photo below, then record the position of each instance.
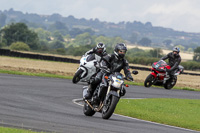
(122, 51)
(100, 50)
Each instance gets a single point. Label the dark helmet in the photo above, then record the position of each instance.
(100, 48)
(176, 49)
(120, 50)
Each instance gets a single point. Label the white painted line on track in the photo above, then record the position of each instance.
(75, 101)
(80, 99)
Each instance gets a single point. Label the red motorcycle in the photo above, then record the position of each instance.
(160, 77)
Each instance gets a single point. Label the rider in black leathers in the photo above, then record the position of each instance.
(111, 63)
(174, 60)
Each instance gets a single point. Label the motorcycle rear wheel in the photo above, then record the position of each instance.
(149, 81)
(109, 108)
(87, 110)
(77, 76)
(170, 83)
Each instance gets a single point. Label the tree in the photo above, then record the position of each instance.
(103, 39)
(116, 40)
(156, 52)
(59, 26)
(182, 48)
(19, 32)
(57, 44)
(2, 42)
(89, 30)
(43, 34)
(2, 19)
(75, 31)
(136, 52)
(167, 42)
(133, 37)
(109, 42)
(19, 46)
(78, 50)
(190, 50)
(193, 45)
(83, 39)
(58, 36)
(60, 51)
(145, 41)
(196, 56)
(44, 45)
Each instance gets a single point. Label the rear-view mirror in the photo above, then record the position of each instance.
(135, 72)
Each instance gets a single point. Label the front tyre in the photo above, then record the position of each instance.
(170, 83)
(87, 110)
(109, 108)
(77, 76)
(149, 81)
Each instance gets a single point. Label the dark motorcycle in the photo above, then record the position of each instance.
(159, 76)
(106, 96)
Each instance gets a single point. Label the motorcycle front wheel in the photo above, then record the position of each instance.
(109, 108)
(77, 76)
(87, 110)
(170, 83)
(149, 81)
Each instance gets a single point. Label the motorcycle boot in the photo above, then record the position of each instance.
(93, 85)
(95, 97)
(90, 92)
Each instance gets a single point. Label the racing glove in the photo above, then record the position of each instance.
(129, 77)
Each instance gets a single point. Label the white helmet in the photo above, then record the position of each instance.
(100, 47)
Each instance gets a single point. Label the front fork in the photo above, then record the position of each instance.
(109, 92)
(107, 97)
(155, 77)
(109, 86)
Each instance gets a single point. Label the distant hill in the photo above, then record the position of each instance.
(131, 31)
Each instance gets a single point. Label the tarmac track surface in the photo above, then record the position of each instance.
(46, 104)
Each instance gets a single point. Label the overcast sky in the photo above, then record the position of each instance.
(181, 15)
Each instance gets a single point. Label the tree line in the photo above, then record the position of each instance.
(18, 36)
(136, 32)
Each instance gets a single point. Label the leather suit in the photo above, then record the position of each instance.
(174, 61)
(111, 63)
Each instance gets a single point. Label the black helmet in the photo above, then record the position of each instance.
(100, 47)
(176, 49)
(120, 50)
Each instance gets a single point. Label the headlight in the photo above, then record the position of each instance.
(117, 83)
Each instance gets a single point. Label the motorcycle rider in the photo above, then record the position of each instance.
(174, 60)
(99, 50)
(111, 63)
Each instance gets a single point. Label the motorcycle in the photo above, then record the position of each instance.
(106, 96)
(160, 77)
(88, 68)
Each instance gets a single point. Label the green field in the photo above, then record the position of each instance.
(176, 112)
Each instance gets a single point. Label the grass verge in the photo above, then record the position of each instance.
(35, 74)
(175, 87)
(14, 130)
(176, 112)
